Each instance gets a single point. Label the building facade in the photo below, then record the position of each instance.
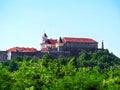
(68, 44)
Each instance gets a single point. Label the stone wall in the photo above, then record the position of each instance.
(57, 54)
(53, 54)
(8, 56)
(69, 49)
(3, 56)
(79, 46)
(14, 54)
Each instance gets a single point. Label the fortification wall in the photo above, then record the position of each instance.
(3, 56)
(81, 45)
(15, 54)
(54, 54)
(10, 55)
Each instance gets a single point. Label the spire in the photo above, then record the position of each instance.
(45, 35)
(102, 44)
(60, 40)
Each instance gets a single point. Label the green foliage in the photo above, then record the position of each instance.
(98, 70)
(11, 65)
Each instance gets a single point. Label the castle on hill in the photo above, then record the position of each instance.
(66, 46)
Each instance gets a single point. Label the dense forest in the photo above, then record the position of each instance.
(99, 70)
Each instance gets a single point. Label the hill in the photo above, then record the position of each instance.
(90, 71)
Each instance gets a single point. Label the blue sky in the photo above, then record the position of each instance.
(23, 22)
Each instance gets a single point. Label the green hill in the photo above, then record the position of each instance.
(90, 71)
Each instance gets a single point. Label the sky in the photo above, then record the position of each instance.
(23, 22)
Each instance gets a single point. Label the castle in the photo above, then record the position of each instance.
(66, 46)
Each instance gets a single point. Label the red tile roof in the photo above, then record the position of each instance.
(21, 49)
(44, 49)
(53, 41)
(87, 40)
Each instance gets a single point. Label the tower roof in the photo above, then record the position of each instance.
(45, 35)
(51, 41)
(60, 40)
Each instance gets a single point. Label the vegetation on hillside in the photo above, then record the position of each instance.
(90, 71)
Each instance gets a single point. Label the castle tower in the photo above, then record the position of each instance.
(59, 45)
(44, 37)
(102, 45)
(60, 40)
